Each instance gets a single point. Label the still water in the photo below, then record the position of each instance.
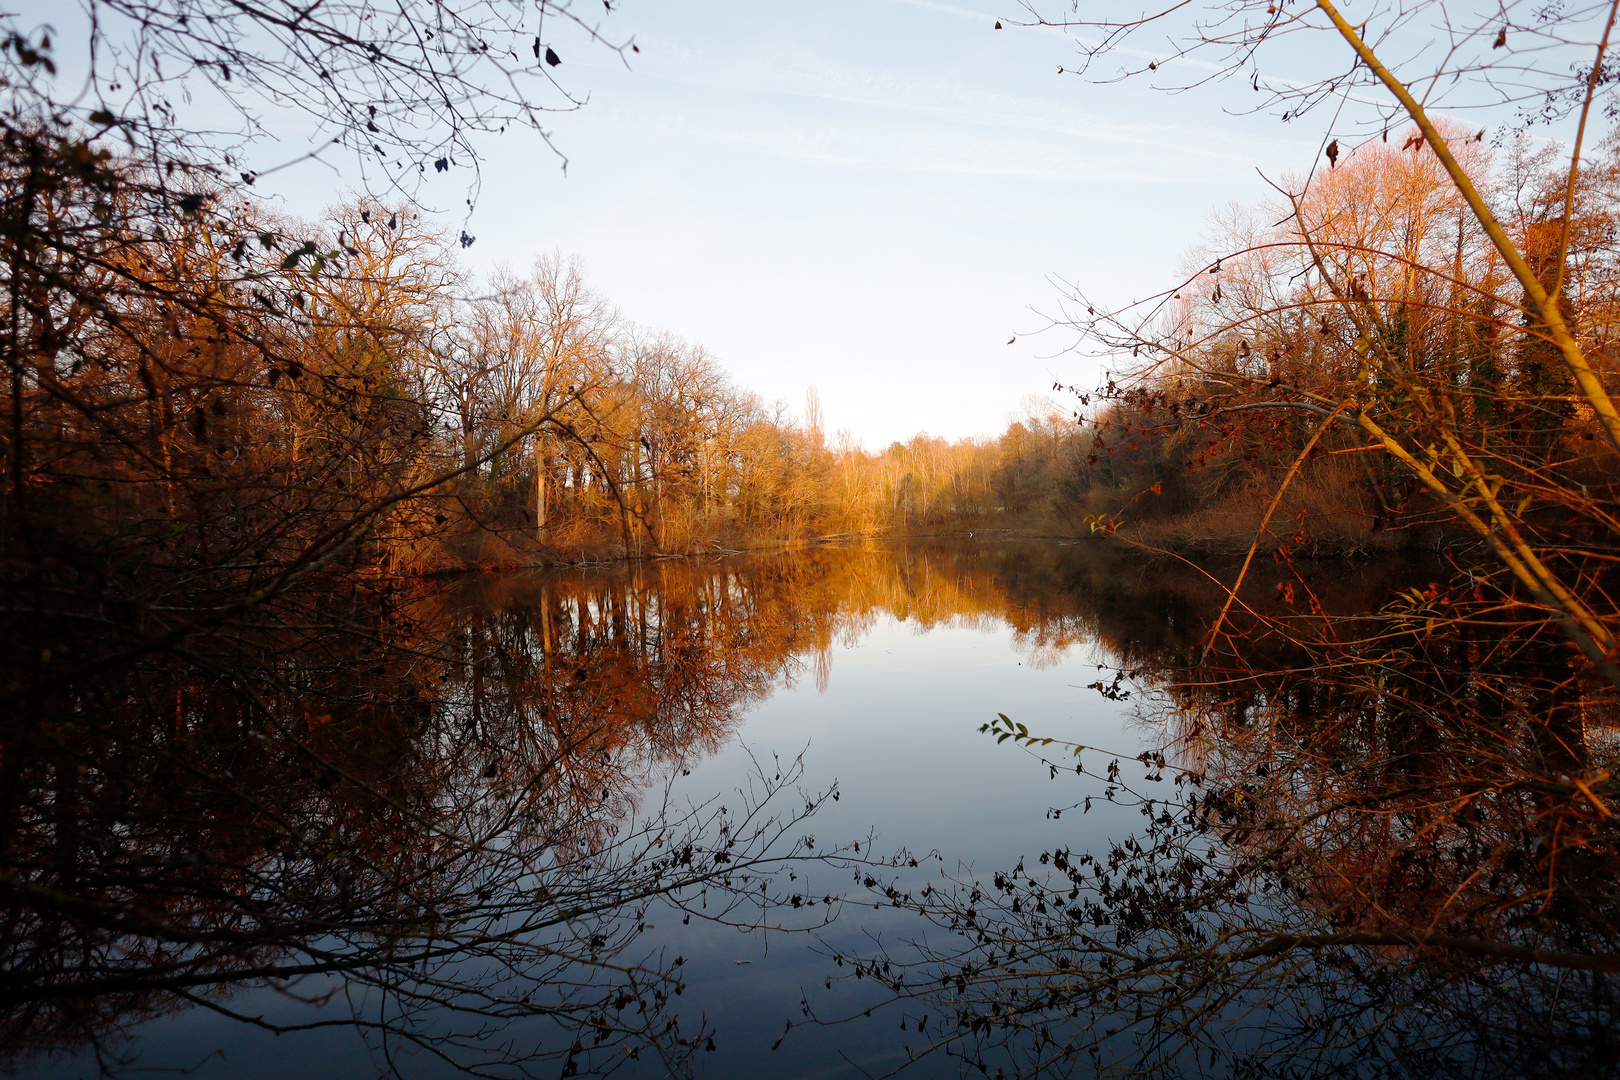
(852, 684)
(870, 668)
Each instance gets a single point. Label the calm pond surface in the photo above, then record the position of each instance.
(868, 671)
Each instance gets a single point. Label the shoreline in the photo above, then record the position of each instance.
(1113, 542)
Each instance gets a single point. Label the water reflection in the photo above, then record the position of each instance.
(1369, 847)
(449, 802)
(434, 797)
(443, 800)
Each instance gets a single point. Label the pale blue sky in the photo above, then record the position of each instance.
(869, 196)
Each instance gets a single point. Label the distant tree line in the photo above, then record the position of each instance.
(232, 354)
(208, 360)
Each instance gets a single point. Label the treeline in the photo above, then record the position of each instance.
(1311, 339)
(1243, 402)
(246, 378)
(583, 434)
(239, 359)
(253, 381)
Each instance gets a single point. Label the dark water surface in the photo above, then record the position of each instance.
(868, 671)
(874, 668)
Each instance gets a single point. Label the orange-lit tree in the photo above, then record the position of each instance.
(1379, 839)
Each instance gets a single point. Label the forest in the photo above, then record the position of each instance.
(232, 354)
(570, 430)
(1178, 451)
(249, 735)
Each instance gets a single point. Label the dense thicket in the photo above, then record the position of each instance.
(1376, 291)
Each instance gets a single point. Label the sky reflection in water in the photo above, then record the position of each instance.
(878, 665)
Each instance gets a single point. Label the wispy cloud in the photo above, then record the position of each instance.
(934, 147)
(877, 112)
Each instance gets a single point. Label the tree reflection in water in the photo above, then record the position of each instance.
(1381, 846)
(1376, 847)
(430, 801)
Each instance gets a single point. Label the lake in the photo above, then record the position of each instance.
(844, 690)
